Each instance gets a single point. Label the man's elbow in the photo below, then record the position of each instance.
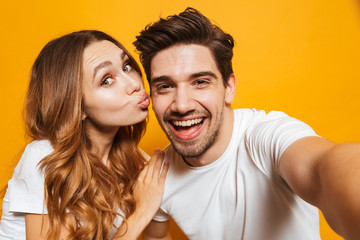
(146, 236)
(157, 231)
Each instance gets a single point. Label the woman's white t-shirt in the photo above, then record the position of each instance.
(25, 193)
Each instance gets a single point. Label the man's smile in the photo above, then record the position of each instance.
(187, 129)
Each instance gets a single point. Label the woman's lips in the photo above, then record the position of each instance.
(144, 101)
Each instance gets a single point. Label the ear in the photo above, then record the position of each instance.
(230, 89)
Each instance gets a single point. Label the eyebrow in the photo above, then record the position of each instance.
(107, 63)
(101, 65)
(205, 73)
(192, 76)
(159, 79)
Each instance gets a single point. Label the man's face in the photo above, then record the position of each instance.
(188, 97)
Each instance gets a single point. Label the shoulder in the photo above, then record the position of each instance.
(253, 113)
(26, 187)
(249, 116)
(39, 147)
(260, 120)
(33, 154)
(37, 150)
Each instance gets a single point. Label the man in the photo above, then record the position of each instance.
(237, 174)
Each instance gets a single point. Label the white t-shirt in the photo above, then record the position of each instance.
(25, 193)
(241, 195)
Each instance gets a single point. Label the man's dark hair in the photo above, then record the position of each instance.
(188, 27)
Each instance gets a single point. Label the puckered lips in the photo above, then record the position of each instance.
(187, 129)
(144, 101)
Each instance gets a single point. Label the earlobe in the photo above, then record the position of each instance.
(230, 89)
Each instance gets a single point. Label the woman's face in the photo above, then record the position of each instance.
(113, 92)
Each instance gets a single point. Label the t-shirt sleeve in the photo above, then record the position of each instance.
(26, 188)
(270, 135)
(161, 216)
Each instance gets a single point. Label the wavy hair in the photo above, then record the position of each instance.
(187, 27)
(76, 181)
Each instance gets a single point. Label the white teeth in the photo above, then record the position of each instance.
(187, 123)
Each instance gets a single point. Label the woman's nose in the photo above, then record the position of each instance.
(134, 84)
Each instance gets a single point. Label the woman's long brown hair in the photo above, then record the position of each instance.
(76, 181)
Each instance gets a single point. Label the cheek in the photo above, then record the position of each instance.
(102, 102)
(159, 107)
(211, 101)
(208, 100)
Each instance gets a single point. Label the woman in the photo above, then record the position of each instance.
(85, 111)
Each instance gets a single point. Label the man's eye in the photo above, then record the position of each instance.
(127, 68)
(200, 82)
(107, 81)
(163, 88)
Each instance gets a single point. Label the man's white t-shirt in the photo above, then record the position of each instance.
(241, 195)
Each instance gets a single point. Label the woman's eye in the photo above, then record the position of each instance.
(107, 81)
(127, 68)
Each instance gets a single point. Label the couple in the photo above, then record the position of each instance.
(230, 174)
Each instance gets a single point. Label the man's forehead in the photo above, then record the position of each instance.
(182, 60)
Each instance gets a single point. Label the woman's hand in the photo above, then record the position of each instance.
(149, 187)
(148, 192)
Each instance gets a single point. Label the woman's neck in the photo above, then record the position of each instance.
(102, 140)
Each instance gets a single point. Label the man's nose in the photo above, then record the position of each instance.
(183, 101)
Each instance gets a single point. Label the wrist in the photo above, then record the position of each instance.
(142, 215)
(134, 225)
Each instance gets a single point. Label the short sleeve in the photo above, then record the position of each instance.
(26, 187)
(161, 216)
(270, 135)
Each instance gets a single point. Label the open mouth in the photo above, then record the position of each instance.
(187, 129)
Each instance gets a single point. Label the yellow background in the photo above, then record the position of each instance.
(297, 56)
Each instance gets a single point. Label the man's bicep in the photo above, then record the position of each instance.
(299, 163)
(157, 231)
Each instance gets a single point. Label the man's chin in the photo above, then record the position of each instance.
(189, 149)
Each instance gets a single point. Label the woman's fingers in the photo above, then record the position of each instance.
(158, 163)
(151, 163)
(154, 166)
(143, 173)
(164, 172)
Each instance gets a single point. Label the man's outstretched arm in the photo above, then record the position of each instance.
(157, 231)
(326, 175)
